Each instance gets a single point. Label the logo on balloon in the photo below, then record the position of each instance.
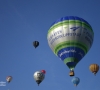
(74, 28)
(67, 51)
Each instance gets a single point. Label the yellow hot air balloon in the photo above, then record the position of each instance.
(94, 68)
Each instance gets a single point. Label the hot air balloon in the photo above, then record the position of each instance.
(70, 38)
(35, 44)
(94, 68)
(75, 81)
(39, 77)
(43, 71)
(9, 78)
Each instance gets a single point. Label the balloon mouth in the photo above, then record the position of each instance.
(38, 82)
(94, 73)
(75, 85)
(71, 73)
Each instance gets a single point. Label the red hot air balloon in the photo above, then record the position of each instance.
(43, 71)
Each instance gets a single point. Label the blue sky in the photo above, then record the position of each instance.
(24, 21)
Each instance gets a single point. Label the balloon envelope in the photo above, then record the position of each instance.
(9, 78)
(35, 44)
(43, 71)
(75, 81)
(70, 38)
(39, 77)
(94, 68)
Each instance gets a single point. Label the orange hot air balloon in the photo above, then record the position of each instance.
(94, 68)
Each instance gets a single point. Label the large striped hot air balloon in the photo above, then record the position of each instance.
(70, 38)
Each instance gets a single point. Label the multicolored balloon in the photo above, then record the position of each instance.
(70, 38)
(9, 78)
(75, 81)
(39, 76)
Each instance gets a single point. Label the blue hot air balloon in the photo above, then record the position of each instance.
(75, 81)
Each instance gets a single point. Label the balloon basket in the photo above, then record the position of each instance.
(71, 73)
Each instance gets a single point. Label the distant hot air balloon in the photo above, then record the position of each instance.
(9, 78)
(35, 44)
(70, 38)
(75, 81)
(94, 68)
(43, 71)
(39, 77)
